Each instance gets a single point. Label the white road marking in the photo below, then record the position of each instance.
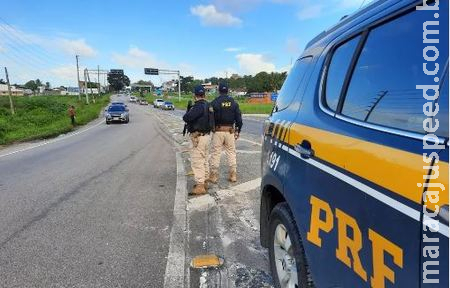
(249, 141)
(206, 201)
(52, 141)
(248, 152)
(174, 276)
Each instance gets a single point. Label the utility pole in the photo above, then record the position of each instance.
(85, 86)
(9, 92)
(179, 87)
(78, 78)
(98, 79)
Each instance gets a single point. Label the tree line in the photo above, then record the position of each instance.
(261, 82)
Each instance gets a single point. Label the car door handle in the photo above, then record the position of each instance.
(305, 149)
(443, 214)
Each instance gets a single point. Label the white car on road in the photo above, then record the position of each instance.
(158, 103)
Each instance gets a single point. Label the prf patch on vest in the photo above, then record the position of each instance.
(226, 104)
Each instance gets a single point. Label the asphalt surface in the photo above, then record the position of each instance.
(90, 210)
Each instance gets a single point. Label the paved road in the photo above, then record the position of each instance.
(92, 210)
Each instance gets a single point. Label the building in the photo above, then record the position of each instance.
(15, 91)
(170, 85)
(210, 88)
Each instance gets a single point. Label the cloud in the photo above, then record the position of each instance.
(210, 16)
(137, 58)
(238, 6)
(233, 49)
(76, 47)
(254, 63)
(66, 73)
(2, 49)
(310, 12)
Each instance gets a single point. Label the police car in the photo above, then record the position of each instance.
(354, 188)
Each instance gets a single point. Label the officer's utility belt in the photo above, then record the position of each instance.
(198, 134)
(225, 129)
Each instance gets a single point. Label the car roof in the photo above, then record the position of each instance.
(355, 19)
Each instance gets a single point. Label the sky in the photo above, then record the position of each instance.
(39, 39)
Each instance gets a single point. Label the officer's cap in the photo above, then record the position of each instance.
(199, 90)
(223, 88)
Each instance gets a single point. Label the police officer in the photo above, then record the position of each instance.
(198, 125)
(228, 121)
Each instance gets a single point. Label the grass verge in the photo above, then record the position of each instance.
(246, 108)
(41, 117)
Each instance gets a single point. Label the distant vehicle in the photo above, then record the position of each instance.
(118, 103)
(167, 106)
(133, 99)
(117, 113)
(143, 102)
(158, 102)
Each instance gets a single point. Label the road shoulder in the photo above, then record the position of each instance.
(226, 221)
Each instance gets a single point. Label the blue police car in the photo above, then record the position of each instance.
(354, 188)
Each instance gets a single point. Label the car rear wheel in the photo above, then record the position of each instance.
(287, 257)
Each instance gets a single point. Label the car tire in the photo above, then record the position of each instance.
(128, 120)
(108, 122)
(282, 222)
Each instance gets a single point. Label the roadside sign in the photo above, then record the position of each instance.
(116, 71)
(274, 97)
(151, 71)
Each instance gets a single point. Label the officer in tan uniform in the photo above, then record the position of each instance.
(198, 125)
(228, 121)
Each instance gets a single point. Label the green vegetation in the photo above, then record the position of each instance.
(246, 108)
(42, 117)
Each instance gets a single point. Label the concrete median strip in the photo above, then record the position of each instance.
(206, 201)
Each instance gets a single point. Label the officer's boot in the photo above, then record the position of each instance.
(213, 177)
(233, 175)
(199, 189)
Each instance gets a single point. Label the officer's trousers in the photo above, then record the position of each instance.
(199, 157)
(223, 140)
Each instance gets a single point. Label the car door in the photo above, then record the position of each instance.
(277, 125)
(356, 187)
(435, 245)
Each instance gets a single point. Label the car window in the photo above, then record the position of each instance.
(337, 70)
(293, 80)
(117, 108)
(382, 89)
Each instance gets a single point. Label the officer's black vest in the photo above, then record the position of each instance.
(202, 124)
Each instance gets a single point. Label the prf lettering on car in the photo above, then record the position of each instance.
(347, 245)
(226, 104)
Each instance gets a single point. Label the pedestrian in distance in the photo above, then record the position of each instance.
(228, 125)
(72, 114)
(199, 120)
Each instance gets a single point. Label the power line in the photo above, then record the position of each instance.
(27, 42)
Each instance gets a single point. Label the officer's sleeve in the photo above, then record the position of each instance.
(238, 118)
(195, 112)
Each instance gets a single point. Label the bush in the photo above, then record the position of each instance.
(43, 116)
